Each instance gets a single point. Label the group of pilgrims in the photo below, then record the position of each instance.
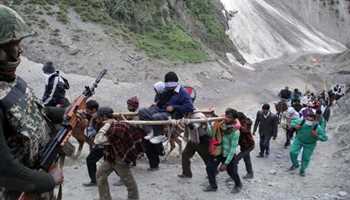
(221, 144)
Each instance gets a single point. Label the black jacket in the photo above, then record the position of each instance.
(267, 126)
(246, 139)
(55, 89)
(285, 94)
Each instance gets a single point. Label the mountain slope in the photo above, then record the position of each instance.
(331, 17)
(262, 31)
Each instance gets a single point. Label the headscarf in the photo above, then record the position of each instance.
(159, 87)
(134, 102)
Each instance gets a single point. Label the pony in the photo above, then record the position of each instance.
(179, 132)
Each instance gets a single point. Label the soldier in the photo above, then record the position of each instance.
(24, 129)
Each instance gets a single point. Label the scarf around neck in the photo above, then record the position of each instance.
(267, 115)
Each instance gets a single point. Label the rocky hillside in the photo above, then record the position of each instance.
(340, 72)
(267, 29)
(331, 17)
(202, 19)
(160, 31)
(341, 131)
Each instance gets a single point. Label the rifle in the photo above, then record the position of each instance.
(51, 152)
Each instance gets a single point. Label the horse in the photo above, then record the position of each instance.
(78, 133)
(175, 133)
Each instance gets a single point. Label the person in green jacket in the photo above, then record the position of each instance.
(222, 149)
(309, 131)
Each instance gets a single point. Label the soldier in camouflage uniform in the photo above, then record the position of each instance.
(24, 128)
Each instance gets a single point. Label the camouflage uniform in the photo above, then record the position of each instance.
(25, 128)
(12, 26)
(26, 118)
(31, 128)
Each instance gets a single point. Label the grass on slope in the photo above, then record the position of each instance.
(173, 43)
(204, 11)
(164, 41)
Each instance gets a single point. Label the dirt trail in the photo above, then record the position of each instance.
(271, 182)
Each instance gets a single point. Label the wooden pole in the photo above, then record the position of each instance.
(132, 114)
(129, 114)
(172, 121)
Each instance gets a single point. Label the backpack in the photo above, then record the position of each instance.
(62, 82)
(216, 139)
(192, 92)
(246, 138)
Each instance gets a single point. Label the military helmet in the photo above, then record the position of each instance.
(12, 26)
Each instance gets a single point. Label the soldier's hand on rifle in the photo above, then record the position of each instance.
(57, 175)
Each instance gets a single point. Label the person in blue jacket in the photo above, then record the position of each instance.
(172, 102)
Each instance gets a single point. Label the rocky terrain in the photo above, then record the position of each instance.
(130, 47)
(328, 175)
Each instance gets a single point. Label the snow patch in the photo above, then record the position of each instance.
(261, 32)
(233, 60)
